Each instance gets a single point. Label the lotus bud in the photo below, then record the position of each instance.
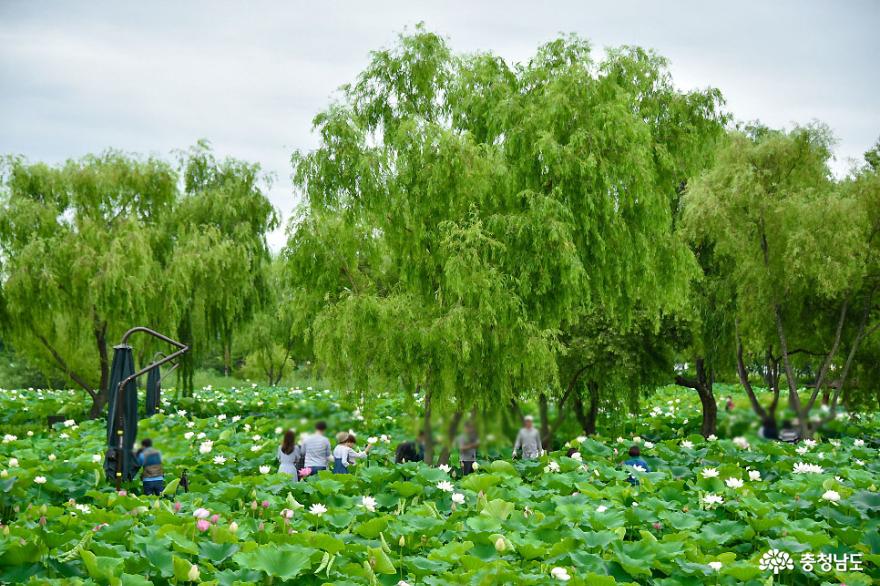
(254, 505)
(214, 518)
(177, 506)
(43, 520)
(265, 504)
(402, 541)
(233, 526)
(500, 545)
(193, 574)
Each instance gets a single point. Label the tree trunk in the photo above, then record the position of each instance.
(451, 432)
(703, 385)
(100, 398)
(546, 440)
(429, 432)
(587, 419)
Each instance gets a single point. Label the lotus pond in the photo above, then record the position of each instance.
(708, 513)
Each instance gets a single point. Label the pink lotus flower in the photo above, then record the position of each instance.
(265, 504)
(203, 524)
(122, 492)
(177, 506)
(214, 518)
(305, 472)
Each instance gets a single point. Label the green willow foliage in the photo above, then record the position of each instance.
(798, 249)
(94, 246)
(461, 213)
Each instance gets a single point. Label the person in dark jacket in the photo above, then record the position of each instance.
(151, 468)
(635, 461)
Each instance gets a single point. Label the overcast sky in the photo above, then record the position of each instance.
(151, 77)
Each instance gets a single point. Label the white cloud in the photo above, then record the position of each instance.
(153, 77)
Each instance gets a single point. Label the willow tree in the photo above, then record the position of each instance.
(461, 211)
(798, 252)
(220, 255)
(81, 256)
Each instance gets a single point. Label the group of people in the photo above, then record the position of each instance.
(315, 453)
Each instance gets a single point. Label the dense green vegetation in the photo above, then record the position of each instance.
(570, 236)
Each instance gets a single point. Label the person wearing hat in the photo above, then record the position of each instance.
(528, 440)
(344, 453)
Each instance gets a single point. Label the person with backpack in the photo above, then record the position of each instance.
(411, 451)
(344, 454)
(290, 455)
(316, 448)
(152, 474)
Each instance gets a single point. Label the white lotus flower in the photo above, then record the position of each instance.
(648, 444)
(712, 438)
(859, 443)
(687, 444)
(278, 430)
(802, 450)
(754, 475)
(13, 462)
(577, 456)
(193, 574)
(317, 509)
(206, 447)
(201, 513)
(372, 440)
(9, 438)
(709, 472)
(601, 509)
(236, 418)
(40, 480)
(741, 442)
(188, 435)
(715, 566)
(369, 503)
(802, 468)
(458, 498)
(219, 460)
(265, 469)
(256, 448)
(712, 499)
(445, 486)
(476, 466)
(445, 467)
(733, 482)
(69, 423)
(221, 417)
(810, 443)
(560, 574)
(551, 466)
(403, 583)
(834, 442)
(831, 496)
(52, 457)
(84, 509)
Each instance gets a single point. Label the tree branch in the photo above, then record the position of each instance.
(63, 364)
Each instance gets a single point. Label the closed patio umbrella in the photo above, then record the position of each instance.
(153, 390)
(127, 420)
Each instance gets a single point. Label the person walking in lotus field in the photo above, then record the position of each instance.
(344, 454)
(289, 455)
(528, 440)
(151, 468)
(637, 462)
(317, 450)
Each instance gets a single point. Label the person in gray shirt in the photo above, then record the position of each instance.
(528, 440)
(317, 449)
(468, 442)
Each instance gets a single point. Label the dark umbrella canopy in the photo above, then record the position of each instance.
(153, 391)
(123, 367)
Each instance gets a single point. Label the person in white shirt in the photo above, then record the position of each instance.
(528, 440)
(344, 454)
(317, 449)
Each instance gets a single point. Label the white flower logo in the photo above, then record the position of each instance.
(776, 560)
